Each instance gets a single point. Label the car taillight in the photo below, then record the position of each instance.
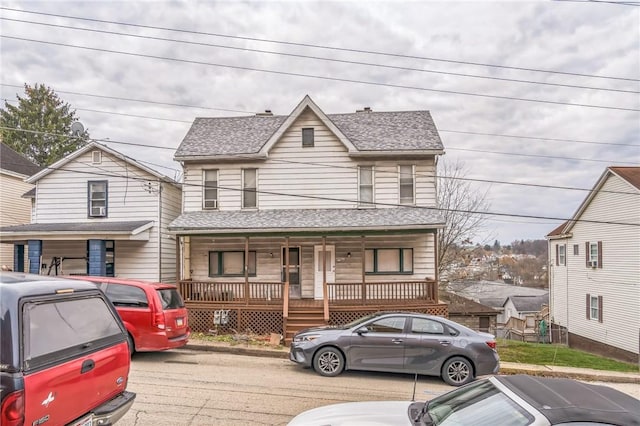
(158, 320)
(491, 344)
(13, 409)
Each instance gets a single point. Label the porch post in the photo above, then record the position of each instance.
(246, 270)
(285, 296)
(325, 298)
(436, 264)
(363, 292)
(179, 255)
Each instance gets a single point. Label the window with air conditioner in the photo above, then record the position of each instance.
(210, 189)
(98, 197)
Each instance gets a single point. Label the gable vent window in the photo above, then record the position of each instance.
(96, 157)
(308, 137)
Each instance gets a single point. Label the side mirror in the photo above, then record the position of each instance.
(362, 330)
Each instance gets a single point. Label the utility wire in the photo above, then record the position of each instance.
(344, 80)
(394, 67)
(315, 197)
(315, 46)
(311, 163)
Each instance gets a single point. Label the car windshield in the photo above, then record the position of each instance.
(480, 403)
(170, 298)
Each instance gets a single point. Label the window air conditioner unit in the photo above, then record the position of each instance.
(593, 263)
(211, 204)
(101, 211)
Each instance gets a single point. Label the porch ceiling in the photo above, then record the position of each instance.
(242, 222)
(133, 230)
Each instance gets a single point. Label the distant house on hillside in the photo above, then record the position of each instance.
(14, 208)
(99, 212)
(594, 272)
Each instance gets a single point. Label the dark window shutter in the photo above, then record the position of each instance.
(599, 254)
(557, 254)
(586, 253)
(599, 308)
(588, 306)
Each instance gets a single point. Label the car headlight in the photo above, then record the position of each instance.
(306, 338)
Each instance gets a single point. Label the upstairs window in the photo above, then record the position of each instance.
(98, 191)
(593, 254)
(365, 186)
(388, 261)
(210, 189)
(561, 255)
(407, 186)
(576, 249)
(308, 137)
(249, 188)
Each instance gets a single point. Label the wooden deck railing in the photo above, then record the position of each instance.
(232, 292)
(381, 292)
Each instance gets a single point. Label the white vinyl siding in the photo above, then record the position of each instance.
(618, 279)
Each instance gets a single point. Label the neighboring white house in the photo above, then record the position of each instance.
(526, 308)
(99, 212)
(594, 272)
(340, 207)
(14, 208)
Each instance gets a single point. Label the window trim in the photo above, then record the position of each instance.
(591, 299)
(205, 187)
(561, 255)
(576, 249)
(309, 141)
(362, 203)
(220, 255)
(90, 198)
(413, 184)
(400, 261)
(246, 189)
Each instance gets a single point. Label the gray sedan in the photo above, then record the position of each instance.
(402, 342)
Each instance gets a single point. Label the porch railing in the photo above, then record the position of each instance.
(373, 293)
(232, 292)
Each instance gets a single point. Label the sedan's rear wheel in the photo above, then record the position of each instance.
(457, 371)
(328, 362)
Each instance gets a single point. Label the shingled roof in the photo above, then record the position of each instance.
(15, 162)
(367, 131)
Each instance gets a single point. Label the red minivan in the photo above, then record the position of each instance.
(153, 313)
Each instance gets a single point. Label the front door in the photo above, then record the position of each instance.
(330, 269)
(294, 270)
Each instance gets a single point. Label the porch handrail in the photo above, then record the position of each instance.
(232, 292)
(376, 292)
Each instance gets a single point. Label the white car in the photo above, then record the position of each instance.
(500, 400)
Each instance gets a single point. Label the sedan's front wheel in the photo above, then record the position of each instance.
(457, 371)
(328, 362)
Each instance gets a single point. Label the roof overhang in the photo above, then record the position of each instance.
(127, 231)
(397, 154)
(227, 157)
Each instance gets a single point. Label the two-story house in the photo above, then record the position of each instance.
(308, 218)
(99, 212)
(14, 208)
(594, 273)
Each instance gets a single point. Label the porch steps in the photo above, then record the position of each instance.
(301, 318)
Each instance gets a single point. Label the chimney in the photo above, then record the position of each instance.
(266, 113)
(365, 109)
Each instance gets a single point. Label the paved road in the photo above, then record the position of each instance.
(184, 387)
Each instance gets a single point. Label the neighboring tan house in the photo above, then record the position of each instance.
(308, 218)
(14, 209)
(99, 212)
(594, 272)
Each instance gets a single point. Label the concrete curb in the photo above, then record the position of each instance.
(505, 367)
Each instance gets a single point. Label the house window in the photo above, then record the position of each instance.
(593, 254)
(96, 157)
(594, 307)
(365, 186)
(407, 187)
(561, 254)
(98, 191)
(307, 137)
(210, 189)
(230, 263)
(388, 261)
(576, 249)
(249, 188)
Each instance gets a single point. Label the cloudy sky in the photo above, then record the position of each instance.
(535, 98)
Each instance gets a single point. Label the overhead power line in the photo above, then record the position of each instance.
(316, 46)
(344, 80)
(350, 62)
(312, 163)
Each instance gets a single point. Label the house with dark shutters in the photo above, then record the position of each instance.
(99, 212)
(308, 218)
(594, 269)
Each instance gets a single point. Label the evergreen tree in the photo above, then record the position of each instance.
(39, 127)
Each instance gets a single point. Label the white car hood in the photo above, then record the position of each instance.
(374, 413)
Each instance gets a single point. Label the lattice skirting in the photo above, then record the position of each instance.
(337, 317)
(240, 320)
